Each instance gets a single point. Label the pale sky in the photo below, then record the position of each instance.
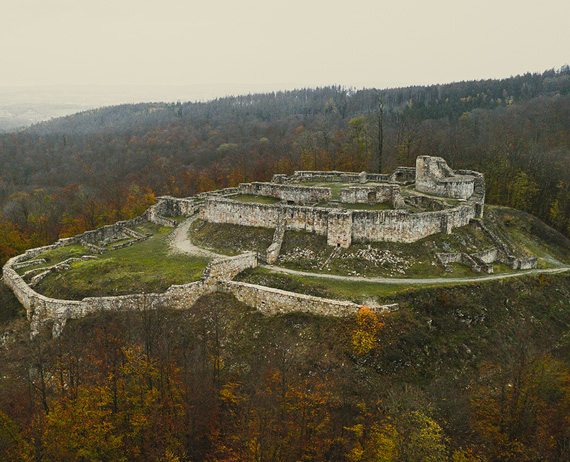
(265, 44)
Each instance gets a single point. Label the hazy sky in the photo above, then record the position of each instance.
(266, 44)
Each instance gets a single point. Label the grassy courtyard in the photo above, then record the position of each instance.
(148, 266)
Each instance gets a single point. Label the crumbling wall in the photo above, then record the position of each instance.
(309, 219)
(433, 176)
(327, 177)
(168, 206)
(339, 232)
(373, 194)
(274, 301)
(228, 268)
(394, 225)
(292, 193)
(221, 210)
(365, 225)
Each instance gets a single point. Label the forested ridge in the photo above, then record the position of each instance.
(64, 176)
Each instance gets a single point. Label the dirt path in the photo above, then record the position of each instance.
(412, 281)
(181, 243)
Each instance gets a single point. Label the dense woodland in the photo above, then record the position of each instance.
(470, 373)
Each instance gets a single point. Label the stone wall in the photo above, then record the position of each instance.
(388, 192)
(274, 301)
(433, 176)
(339, 228)
(366, 225)
(154, 216)
(108, 232)
(228, 268)
(327, 177)
(291, 193)
(221, 210)
(273, 251)
(445, 259)
(168, 206)
(402, 175)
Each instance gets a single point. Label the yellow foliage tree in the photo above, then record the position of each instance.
(365, 332)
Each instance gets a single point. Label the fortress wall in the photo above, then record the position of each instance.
(154, 216)
(403, 175)
(395, 226)
(220, 210)
(274, 301)
(433, 176)
(328, 177)
(217, 193)
(378, 177)
(369, 194)
(174, 206)
(36, 305)
(460, 215)
(310, 219)
(228, 268)
(339, 233)
(287, 192)
(400, 175)
(109, 231)
(176, 297)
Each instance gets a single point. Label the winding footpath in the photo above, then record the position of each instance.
(181, 243)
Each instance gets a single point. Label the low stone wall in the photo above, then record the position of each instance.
(292, 193)
(445, 259)
(168, 206)
(388, 192)
(25, 264)
(402, 175)
(228, 268)
(274, 301)
(522, 263)
(109, 232)
(218, 193)
(488, 256)
(153, 215)
(328, 177)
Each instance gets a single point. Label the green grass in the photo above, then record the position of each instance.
(255, 199)
(230, 239)
(55, 256)
(144, 267)
(359, 292)
(308, 252)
